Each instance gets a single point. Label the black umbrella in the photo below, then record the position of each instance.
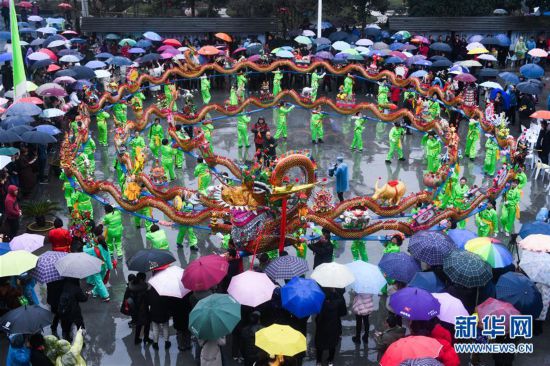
(490, 41)
(37, 137)
(7, 137)
(27, 319)
(41, 64)
(438, 57)
(373, 32)
(55, 37)
(488, 73)
(442, 63)
(65, 72)
(83, 72)
(150, 57)
(148, 259)
(68, 51)
(441, 47)
(529, 88)
(338, 36)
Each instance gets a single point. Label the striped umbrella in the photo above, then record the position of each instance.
(431, 247)
(286, 267)
(399, 266)
(491, 251)
(467, 269)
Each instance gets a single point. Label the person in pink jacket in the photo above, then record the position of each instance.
(363, 305)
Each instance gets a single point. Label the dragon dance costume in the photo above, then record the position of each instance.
(282, 113)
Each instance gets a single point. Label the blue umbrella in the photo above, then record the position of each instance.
(24, 109)
(70, 52)
(438, 57)
(284, 54)
(503, 94)
(520, 291)
(427, 281)
(355, 58)
(119, 61)
(143, 43)
(338, 36)
(13, 121)
(253, 48)
(531, 71)
(395, 46)
(415, 304)
(5, 57)
(5, 35)
(7, 137)
(83, 72)
(419, 73)
(21, 129)
(394, 60)
(441, 47)
(37, 42)
(461, 236)
(112, 36)
(80, 84)
(509, 77)
(528, 87)
(77, 40)
(37, 137)
(431, 247)
(488, 72)
(399, 266)
(323, 47)
(422, 63)
(4, 248)
(442, 63)
(373, 32)
(503, 40)
(150, 57)
(104, 55)
(94, 64)
(326, 25)
(302, 297)
(136, 50)
(322, 40)
(152, 36)
(66, 72)
(535, 227)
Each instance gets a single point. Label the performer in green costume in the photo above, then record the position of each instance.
(169, 94)
(487, 221)
(83, 203)
(521, 177)
(470, 151)
(102, 128)
(137, 141)
(167, 156)
(119, 166)
(241, 85)
(458, 198)
(207, 127)
(89, 148)
(205, 89)
(180, 157)
(315, 77)
(119, 110)
(156, 238)
(358, 128)
(233, 98)
(68, 190)
(113, 230)
(510, 208)
(137, 101)
(396, 134)
(277, 77)
(202, 172)
(359, 251)
(433, 149)
(434, 110)
(348, 86)
(185, 230)
(84, 165)
(491, 156)
(316, 126)
(156, 134)
(394, 245)
(382, 98)
(242, 130)
(282, 112)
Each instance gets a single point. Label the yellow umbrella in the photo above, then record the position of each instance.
(16, 262)
(280, 340)
(31, 86)
(477, 51)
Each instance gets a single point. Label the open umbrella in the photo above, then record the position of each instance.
(368, 277)
(280, 340)
(251, 288)
(302, 297)
(45, 270)
(49, 129)
(427, 281)
(27, 319)
(172, 42)
(205, 272)
(488, 72)
(284, 54)
(7, 137)
(78, 265)
(37, 137)
(46, 89)
(41, 64)
(16, 262)
(364, 42)
(4, 160)
(150, 57)
(14, 121)
(541, 115)
(414, 304)
(102, 74)
(324, 55)
(214, 316)
(322, 41)
(208, 51)
(127, 42)
(461, 236)
(487, 57)
(149, 259)
(421, 362)
(528, 87)
(498, 256)
(19, 130)
(286, 267)
(144, 43)
(494, 307)
(95, 64)
(104, 55)
(136, 50)
(23, 109)
(64, 80)
(431, 247)
(441, 47)
(8, 151)
(450, 307)
(491, 85)
(521, 292)
(253, 48)
(467, 269)
(470, 63)
(341, 45)
(537, 52)
(531, 71)
(412, 347)
(303, 40)
(119, 61)
(83, 72)
(152, 36)
(28, 242)
(399, 266)
(52, 113)
(167, 282)
(442, 63)
(333, 275)
(536, 227)
(536, 265)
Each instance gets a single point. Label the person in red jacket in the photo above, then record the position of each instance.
(59, 237)
(12, 211)
(447, 355)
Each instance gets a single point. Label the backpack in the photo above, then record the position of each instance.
(66, 304)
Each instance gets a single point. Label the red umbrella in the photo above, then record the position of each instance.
(411, 347)
(52, 68)
(33, 100)
(224, 37)
(69, 32)
(205, 272)
(208, 51)
(240, 49)
(254, 58)
(172, 42)
(465, 77)
(49, 53)
(65, 6)
(541, 115)
(25, 4)
(498, 308)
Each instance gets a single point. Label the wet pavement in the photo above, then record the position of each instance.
(109, 339)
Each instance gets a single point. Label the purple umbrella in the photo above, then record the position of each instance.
(136, 50)
(415, 304)
(431, 247)
(45, 271)
(399, 266)
(79, 85)
(461, 236)
(324, 55)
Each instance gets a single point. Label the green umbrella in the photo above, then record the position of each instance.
(127, 41)
(8, 151)
(16, 262)
(351, 51)
(303, 40)
(214, 316)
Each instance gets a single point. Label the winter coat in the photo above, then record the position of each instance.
(328, 321)
(447, 355)
(323, 251)
(180, 309)
(248, 338)
(72, 289)
(140, 310)
(159, 306)
(363, 304)
(342, 178)
(261, 128)
(11, 206)
(211, 354)
(60, 239)
(39, 358)
(53, 293)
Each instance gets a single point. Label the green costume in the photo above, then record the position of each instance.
(315, 85)
(396, 133)
(316, 126)
(207, 128)
(359, 126)
(88, 148)
(74, 127)
(134, 144)
(68, 190)
(205, 90)
(510, 208)
(382, 97)
(147, 212)
(281, 121)
(119, 110)
(83, 203)
(491, 156)
(202, 172)
(433, 149)
(137, 100)
(96, 280)
(359, 251)
(241, 85)
(179, 152)
(434, 110)
(348, 86)
(101, 118)
(84, 165)
(391, 248)
(242, 130)
(522, 180)
(458, 200)
(277, 77)
(470, 151)
(113, 232)
(169, 90)
(156, 134)
(167, 156)
(157, 240)
(233, 99)
(486, 222)
(120, 170)
(185, 230)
